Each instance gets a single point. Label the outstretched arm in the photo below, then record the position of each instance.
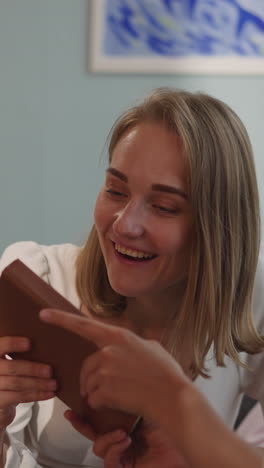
(139, 376)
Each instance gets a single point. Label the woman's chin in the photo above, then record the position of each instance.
(124, 289)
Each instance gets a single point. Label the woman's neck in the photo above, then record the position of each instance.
(152, 319)
(150, 316)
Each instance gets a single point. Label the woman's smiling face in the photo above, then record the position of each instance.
(143, 215)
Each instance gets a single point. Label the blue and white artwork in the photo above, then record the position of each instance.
(180, 29)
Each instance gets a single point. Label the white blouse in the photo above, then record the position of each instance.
(40, 437)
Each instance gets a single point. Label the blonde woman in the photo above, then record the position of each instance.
(172, 257)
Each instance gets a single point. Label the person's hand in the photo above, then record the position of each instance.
(21, 381)
(127, 372)
(116, 448)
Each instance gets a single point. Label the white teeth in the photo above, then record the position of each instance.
(132, 253)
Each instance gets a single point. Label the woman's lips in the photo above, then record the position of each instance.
(133, 253)
(134, 259)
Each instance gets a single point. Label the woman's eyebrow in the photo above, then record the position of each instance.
(155, 187)
(169, 189)
(117, 173)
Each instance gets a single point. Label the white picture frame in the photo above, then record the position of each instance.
(242, 40)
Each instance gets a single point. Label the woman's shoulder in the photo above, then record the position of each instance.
(55, 264)
(29, 253)
(38, 257)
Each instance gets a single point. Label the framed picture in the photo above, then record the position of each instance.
(177, 36)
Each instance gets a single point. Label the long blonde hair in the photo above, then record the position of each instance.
(226, 220)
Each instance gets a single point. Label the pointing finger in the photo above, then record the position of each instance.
(91, 329)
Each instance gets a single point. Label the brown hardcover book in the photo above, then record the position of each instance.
(22, 295)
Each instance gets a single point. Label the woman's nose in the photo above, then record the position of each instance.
(129, 221)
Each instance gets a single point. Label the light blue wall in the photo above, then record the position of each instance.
(55, 115)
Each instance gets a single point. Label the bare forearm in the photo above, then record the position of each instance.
(202, 437)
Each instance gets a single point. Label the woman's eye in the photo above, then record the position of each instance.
(165, 209)
(115, 193)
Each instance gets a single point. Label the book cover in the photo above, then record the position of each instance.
(22, 295)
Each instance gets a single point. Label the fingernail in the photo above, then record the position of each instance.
(120, 433)
(48, 395)
(52, 385)
(24, 344)
(45, 313)
(67, 414)
(128, 440)
(46, 371)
